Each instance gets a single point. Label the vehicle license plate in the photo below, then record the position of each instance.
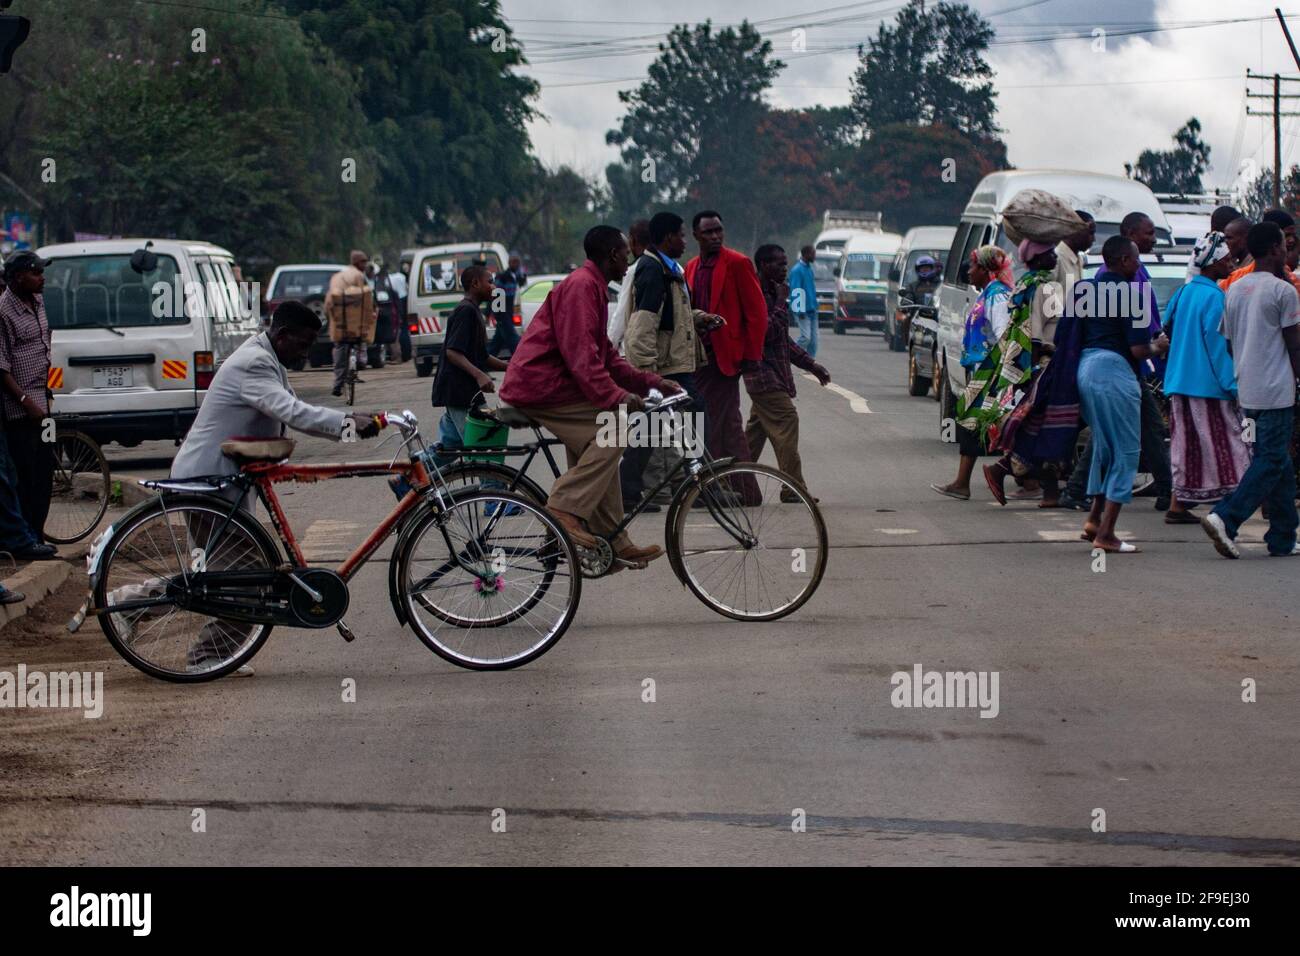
(113, 376)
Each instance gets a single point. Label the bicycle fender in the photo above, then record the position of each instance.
(403, 539)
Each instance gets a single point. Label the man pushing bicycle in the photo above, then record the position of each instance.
(250, 397)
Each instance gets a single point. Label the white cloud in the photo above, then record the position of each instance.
(1050, 116)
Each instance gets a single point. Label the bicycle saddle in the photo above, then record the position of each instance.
(245, 451)
(513, 417)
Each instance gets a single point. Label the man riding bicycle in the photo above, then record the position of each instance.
(564, 373)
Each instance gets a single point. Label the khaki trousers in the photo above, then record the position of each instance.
(772, 416)
(589, 489)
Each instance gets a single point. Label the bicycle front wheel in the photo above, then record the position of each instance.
(748, 541)
(149, 559)
(491, 582)
(80, 487)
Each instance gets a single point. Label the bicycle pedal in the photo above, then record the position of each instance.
(345, 632)
(634, 565)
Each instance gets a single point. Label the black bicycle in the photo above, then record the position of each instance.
(746, 539)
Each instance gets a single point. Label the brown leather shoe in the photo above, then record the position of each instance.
(573, 525)
(638, 556)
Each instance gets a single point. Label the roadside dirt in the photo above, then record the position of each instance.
(54, 761)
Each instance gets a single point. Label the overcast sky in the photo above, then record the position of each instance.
(1061, 103)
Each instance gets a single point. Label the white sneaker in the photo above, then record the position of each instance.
(243, 670)
(1218, 533)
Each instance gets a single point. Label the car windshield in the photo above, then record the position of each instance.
(824, 268)
(301, 283)
(864, 265)
(1166, 278)
(537, 292)
(85, 292)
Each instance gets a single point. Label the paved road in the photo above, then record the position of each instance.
(1119, 691)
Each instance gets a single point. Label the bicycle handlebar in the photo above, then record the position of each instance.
(406, 422)
(658, 401)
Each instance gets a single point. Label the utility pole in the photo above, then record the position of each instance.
(1277, 96)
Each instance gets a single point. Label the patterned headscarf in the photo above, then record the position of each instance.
(995, 261)
(1209, 249)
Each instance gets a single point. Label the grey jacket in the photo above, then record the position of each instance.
(249, 396)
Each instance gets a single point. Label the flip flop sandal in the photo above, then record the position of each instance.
(1124, 548)
(951, 494)
(1181, 517)
(1055, 504)
(999, 495)
(1088, 537)
(1026, 495)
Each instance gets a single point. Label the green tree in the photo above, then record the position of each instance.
(447, 113)
(1176, 170)
(928, 67)
(931, 183)
(236, 136)
(692, 126)
(1257, 195)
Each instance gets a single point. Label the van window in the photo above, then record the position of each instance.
(212, 293)
(441, 273)
(977, 237)
(954, 254)
(863, 265)
(86, 292)
(824, 268)
(238, 308)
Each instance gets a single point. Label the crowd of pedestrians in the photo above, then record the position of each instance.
(1052, 352)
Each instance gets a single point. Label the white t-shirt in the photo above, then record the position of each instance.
(623, 310)
(1258, 307)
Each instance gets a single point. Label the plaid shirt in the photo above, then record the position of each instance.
(773, 373)
(24, 351)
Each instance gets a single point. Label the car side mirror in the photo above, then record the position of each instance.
(142, 260)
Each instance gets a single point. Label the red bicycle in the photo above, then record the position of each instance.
(188, 585)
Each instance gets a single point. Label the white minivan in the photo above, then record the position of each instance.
(862, 280)
(138, 330)
(1108, 198)
(433, 291)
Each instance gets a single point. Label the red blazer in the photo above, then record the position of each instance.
(738, 298)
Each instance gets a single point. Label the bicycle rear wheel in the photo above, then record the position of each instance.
(755, 547)
(149, 557)
(80, 490)
(489, 592)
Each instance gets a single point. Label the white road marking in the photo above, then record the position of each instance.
(1073, 535)
(897, 530)
(856, 401)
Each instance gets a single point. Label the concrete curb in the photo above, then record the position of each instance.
(37, 580)
(132, 493)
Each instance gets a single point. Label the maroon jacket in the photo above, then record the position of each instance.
(565, 356)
